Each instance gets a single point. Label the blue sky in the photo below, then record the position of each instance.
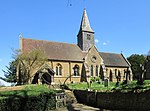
(119, 25)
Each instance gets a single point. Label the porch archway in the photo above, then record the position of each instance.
(44, 76)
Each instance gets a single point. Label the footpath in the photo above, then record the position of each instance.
(77, 107)
(74, 106)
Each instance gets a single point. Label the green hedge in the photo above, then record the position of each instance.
(43, 102)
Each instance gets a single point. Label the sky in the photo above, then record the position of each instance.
(119, 25)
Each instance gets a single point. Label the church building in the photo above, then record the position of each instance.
(77, 62)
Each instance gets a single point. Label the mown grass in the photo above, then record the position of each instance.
(93, 86)
(132, 86)
(26, 91)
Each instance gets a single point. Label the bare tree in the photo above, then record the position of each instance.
(29, 63)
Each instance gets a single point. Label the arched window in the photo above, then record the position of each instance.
(116, 72)
(119, 75)
(58, 70)
(110, 76)
(76, 70)
(91, 70)
(96, 71)
(101, 75)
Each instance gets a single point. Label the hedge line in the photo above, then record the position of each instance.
(42, 102)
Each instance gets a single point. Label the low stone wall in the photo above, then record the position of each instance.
(114, 100)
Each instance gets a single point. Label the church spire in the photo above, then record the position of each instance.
(85, 36)
(85, 24)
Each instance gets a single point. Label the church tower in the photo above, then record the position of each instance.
(85, 36)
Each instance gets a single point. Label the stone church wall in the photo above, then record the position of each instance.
(110, 70)
(67, 70)
(90, 62)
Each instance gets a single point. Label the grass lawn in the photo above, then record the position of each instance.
(24, 91)
(132, 86)
(93, 86)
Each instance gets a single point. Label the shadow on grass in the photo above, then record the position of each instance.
(12, 97)
(21, 101)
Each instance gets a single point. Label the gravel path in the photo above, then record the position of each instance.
(9, 88)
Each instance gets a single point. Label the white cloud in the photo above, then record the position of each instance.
(106, 43)
(1, 60)
(96, 41)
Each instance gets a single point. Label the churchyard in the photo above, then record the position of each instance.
(130, 87)
(42, 97)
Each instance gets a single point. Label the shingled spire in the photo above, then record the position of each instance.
(86, 34)
(85, 24)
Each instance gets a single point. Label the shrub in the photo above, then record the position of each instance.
(92, 79)
(42, 102)
(29, 98)
(97, 79)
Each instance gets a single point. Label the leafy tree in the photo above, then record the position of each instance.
(148, 56)
(10, 72)
(135, 61)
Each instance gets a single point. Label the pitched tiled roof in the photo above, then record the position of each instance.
(111, 59)
(69, 52)
(54, 50)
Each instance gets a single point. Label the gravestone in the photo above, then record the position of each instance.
(106, 82)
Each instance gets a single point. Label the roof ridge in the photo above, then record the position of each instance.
(111, 53)
(50, 41)
(125, 59)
